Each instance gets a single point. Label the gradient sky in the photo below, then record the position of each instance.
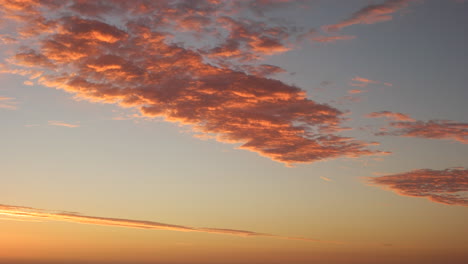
(210, 131)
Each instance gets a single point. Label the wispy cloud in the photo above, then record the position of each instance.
(364, 80)
(325, 179)
(370, 14)
(449, 186)
(356, 91)
(332, 39)
(390, 115)
(63, 124)
(405, 126)
(8, 103)
(33, 213)
(211, 80)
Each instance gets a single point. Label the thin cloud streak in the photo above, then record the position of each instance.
(370, 14)
(326, 179)
(62, 124)
(363, 80)
(332, 39)
(33, 213)
(449, 186)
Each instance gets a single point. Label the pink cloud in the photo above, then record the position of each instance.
(447, 186)
(63, 124)
(370, 14)
(213, 88)
(332, 39)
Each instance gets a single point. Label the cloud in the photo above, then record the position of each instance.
(8, 103)
(390, 115)
(432, 129)
(325, 179)
(5, 39)
(364, 80)
(370, 14)
(449, 186)
(355, 91)
(63, 124)
(331, 39)
(166, 60)
(44, 215)
(28, 83)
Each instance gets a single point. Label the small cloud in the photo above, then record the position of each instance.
(356, 91)
(390, 115)
(62, 124)
(326, 179)
(449, 186)
(370, 14)
(364, 80)
(331, 39)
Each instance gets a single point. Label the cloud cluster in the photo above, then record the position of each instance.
(192, 62)
(32, 213)
(370, 14)
(449, 186)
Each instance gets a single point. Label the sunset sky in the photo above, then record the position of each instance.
(233, 132)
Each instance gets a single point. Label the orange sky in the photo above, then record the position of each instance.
(254, 131)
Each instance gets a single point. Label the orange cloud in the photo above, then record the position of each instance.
(33, 213)
(370, 14)
(363, 80)
(390, 115)
(447, 186)
(355, 91)
(32, 59)
(135, 63)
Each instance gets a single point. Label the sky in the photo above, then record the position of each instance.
(211, 131)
